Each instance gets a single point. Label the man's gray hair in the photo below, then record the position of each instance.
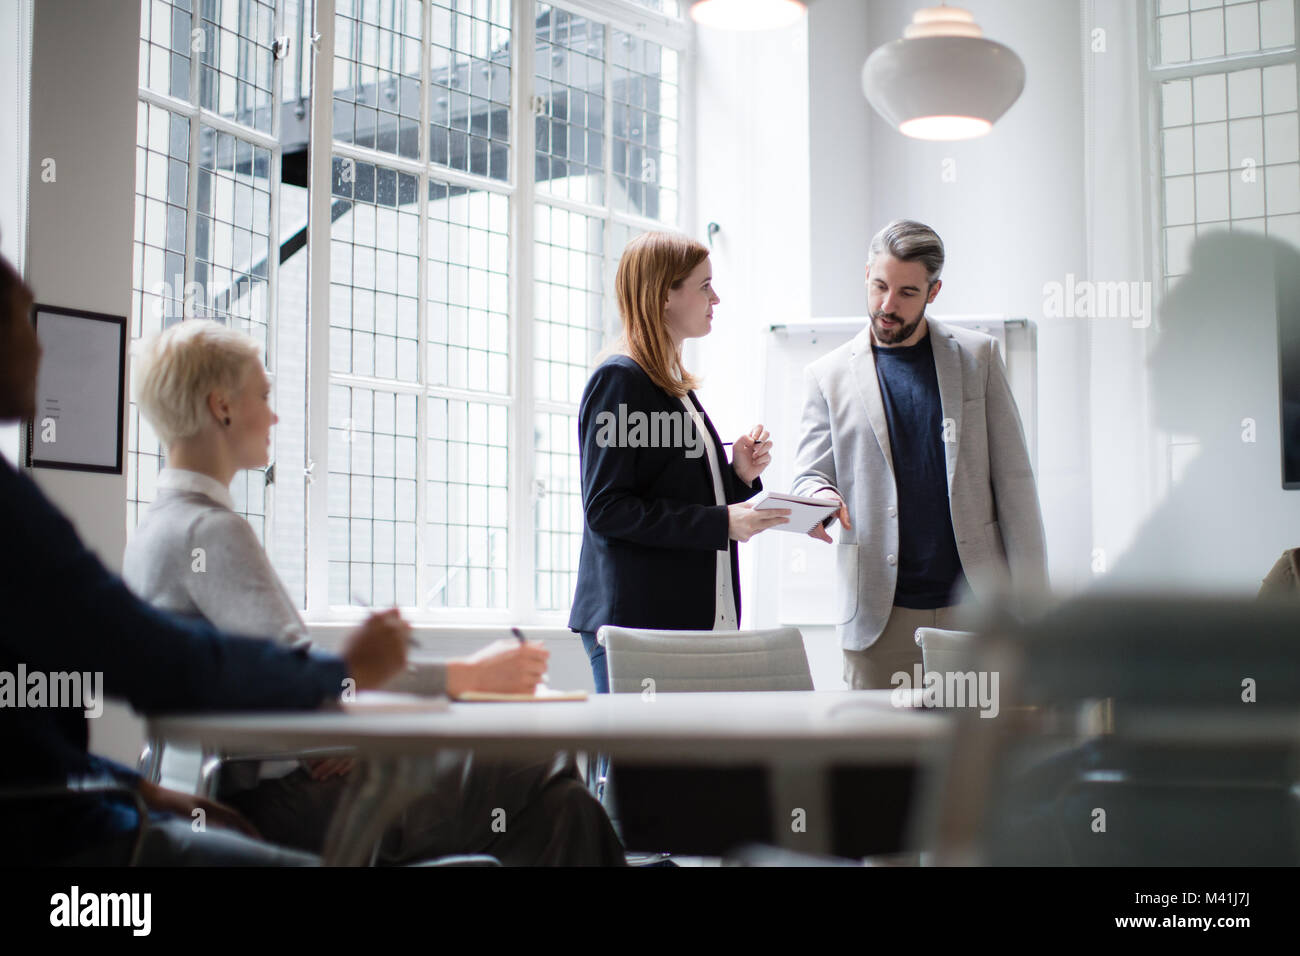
(909, 241)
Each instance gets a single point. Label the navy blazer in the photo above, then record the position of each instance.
(64, 611)
(652, 527)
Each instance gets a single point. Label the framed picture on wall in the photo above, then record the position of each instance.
(80, 391)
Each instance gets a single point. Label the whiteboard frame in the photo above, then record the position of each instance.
(108, 402)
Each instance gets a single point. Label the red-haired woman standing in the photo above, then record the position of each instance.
(662, 516)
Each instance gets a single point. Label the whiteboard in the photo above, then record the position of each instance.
(79, 391)
(806, 565)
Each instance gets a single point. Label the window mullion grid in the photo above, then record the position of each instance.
(521, 572)
(319, 171)
(607, 143)
(272, 259)
(687, 208)
(638, 21)
(192, 115)
(421, 319)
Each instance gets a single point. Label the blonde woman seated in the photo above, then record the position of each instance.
(204, 390)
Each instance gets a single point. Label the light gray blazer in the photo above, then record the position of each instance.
(844, 445)
(237, 589)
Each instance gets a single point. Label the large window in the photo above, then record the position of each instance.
(487, 161)
(1226, 102)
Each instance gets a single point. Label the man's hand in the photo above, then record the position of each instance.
(183, 805)
(376, 651)
(751, 453)
(503, 667)
(819, 530)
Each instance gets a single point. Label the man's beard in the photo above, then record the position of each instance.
(898, 333)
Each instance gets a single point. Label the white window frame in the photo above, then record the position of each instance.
(1153, 75)
(198, 116)
(521, 191)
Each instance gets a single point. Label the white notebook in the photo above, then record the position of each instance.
(805, 513)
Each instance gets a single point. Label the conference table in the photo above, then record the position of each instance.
(797, 735)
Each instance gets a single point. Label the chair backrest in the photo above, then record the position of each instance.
(1198, 767)
(705, 660)
(944, 651)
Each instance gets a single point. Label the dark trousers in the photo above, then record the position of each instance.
(522, 814)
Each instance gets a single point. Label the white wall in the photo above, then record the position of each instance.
(16, 28)
(1011, 220)
(753, 180)
(83, 110)
(1061, 187)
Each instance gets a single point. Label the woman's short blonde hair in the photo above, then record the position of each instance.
(176, 370)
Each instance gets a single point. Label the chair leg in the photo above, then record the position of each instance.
(150, 763)
(209, 772)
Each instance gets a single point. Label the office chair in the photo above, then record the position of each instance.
(81, 790)
(215, 762)
(646, 661)
(1198, 765)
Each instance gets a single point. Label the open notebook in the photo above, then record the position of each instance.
(544, 693)
(390, 702)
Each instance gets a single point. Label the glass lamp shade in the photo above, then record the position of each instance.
(943, 87)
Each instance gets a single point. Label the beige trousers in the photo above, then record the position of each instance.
(896, 648)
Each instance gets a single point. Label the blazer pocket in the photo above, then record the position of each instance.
(993, 538)
(846, 582)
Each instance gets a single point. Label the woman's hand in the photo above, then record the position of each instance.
(503, 667)
(751, 453)
(743, 521)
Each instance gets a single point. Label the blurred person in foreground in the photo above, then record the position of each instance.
(65, 612)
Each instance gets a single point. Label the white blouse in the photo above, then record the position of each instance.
(725, 617)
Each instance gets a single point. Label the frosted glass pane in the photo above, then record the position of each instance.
(1276, 23)
(1211, 147)
(1244, 94)
(1177, 103)
(1241, 27)
(1246, 141)
(1180, 201)
(1281, 139)
(1247, 197)
(1279, 88)
(1210, 97)
(1286, 228)
(1207, 34)
(1178, 244)
(1175, 40)
(1283, 186)
(1211, 197)
(1178, 151)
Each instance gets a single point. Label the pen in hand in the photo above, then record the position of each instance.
(362, 602)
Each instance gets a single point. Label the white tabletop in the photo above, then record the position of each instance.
(789, 726)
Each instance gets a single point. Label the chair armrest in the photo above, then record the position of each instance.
(80, 789)
(214, 761)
